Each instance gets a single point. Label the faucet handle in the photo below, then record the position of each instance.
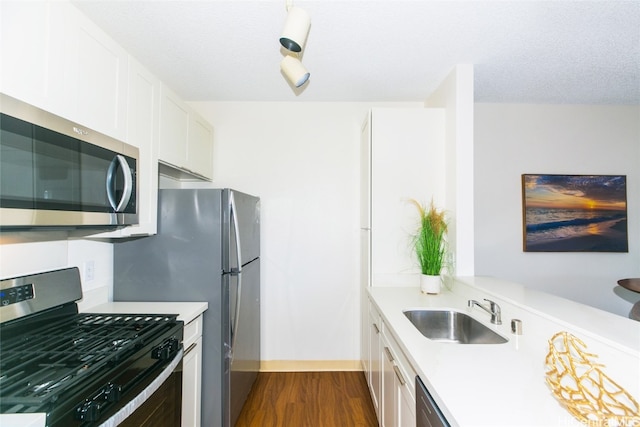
(495, 312)
(493, 305)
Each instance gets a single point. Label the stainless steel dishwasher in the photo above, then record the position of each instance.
(427, 412)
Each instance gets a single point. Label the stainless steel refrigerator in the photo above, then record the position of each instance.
(207, 249)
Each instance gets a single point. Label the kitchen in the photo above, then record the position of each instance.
(318, 147)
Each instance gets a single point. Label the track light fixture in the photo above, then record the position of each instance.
(293, 38)
(296, 29)
(294, 71)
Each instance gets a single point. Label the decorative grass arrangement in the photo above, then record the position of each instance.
(429, 242)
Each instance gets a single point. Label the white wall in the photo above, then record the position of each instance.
(302, 159)
(455, 95)
(23, 253)
(514, 139)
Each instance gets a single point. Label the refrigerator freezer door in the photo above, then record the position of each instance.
(246, 211)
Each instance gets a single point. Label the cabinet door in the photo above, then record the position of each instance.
(186, 140)
(389, 389)
(407, 410)
(365, 174)
(192, 385)
(101, 92)
(398, 397)
(375, 361)
(142, 131)
(143, 104)
(55, 58)
(200, 148)
(174, 129)
(364, 300)
(23, 41)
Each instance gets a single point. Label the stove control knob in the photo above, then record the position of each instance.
(88, 412)
(166, 350)
(113, 392)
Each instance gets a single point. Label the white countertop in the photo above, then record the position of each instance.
(23, 420)
(186, 311)
(504, 384)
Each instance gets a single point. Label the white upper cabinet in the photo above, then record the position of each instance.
(24, 40)
(142, 131)
(101, 88)
(143, 97)
(200, 151)
(174, 129)
(56, 59)
(186, 140)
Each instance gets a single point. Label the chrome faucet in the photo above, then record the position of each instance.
(493, 310)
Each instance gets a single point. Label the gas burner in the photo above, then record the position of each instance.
(77, 367)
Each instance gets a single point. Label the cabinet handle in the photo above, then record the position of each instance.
(191, 347)
(376, 328)
(389, 355)
(399, 374)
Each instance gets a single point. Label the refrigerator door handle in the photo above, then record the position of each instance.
(236, 230)
(236, 316)
(237, 272)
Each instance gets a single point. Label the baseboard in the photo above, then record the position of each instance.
(309, 365)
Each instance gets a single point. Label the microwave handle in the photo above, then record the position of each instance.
(118, 206)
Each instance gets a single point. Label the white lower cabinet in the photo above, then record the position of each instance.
(192, 373)
(390, 377)
(374, 375)
(407, 404)
(399, 401)
(389, 389)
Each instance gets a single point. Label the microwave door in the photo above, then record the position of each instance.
(55, 173)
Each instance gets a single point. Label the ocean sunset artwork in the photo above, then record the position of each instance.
(575, 213)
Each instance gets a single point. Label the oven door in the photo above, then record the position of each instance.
(158, 405)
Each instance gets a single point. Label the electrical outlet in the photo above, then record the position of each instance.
(89, 271)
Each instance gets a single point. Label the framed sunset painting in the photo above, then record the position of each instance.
(574, 213)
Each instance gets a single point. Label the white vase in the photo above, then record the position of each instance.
(430, 284)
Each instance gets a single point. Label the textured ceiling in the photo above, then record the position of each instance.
(577, 52)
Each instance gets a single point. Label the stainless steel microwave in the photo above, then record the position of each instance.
(56, 173)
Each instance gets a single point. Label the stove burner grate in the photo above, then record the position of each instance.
(38, 366)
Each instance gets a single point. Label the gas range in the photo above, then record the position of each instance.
(81, 369)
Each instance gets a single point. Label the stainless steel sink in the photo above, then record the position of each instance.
(452, 326)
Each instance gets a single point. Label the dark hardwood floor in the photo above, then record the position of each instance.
(308, 399)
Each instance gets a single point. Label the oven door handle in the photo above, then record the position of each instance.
(142, 397)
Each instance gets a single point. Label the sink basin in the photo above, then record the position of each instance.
(452, 326)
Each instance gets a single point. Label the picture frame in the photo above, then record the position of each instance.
(574, 213)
